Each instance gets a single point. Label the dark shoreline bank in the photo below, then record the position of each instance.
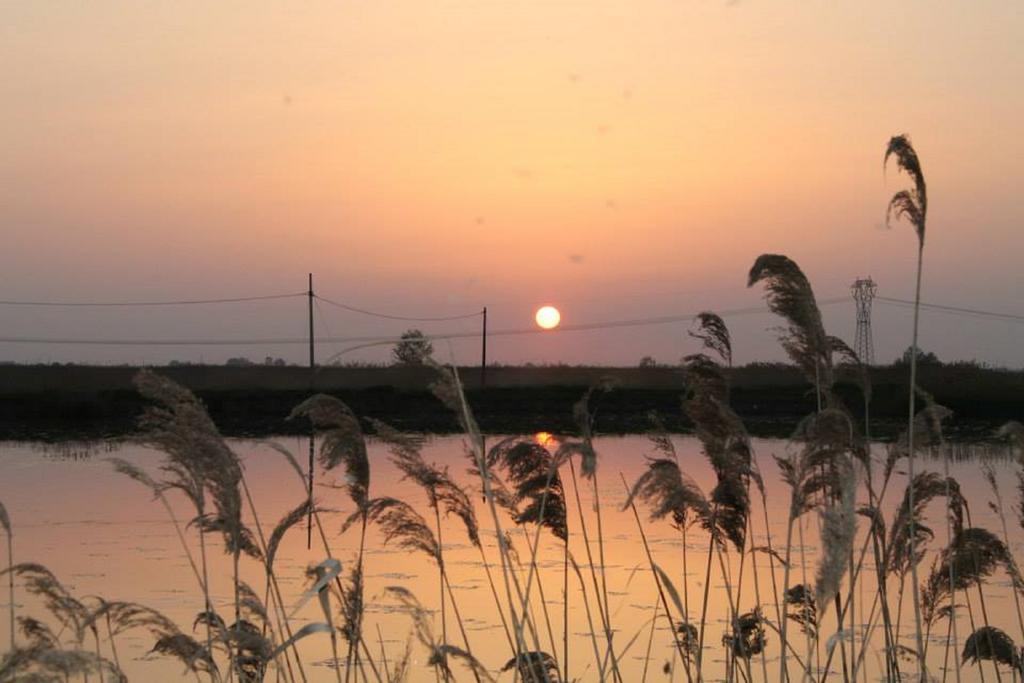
(51, 403)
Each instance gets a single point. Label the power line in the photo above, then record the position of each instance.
(581, 327)
(180, 302)
(373, 340)
(155, 342)
(388, 316)
(956, 310)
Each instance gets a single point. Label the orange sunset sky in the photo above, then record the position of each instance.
(619, 160)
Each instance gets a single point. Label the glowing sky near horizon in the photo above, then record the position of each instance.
(616, 159)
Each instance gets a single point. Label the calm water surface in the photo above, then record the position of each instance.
(101, 534)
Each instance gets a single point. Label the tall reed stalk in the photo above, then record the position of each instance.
(5, 522)
(912, 204)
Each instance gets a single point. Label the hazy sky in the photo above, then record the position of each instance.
(619, 160)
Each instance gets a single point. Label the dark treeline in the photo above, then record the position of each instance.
(48, 402)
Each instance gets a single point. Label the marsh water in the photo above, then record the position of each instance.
(102, 534)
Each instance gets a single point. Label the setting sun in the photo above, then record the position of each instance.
(548, 317)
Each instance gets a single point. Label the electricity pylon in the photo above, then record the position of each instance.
(863, 290)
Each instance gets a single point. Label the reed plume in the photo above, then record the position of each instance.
(748, 637)
(726, 445)
(46, 655)
(188, 651)
(177, 424)
(714, 335)
(198, 460)
(442, 491)
(838, 529)
(287, 522)
(71, 612)
(850, 363)
(828, 441)
(905, 550)
(124, 616)
(849, 358)
(584, 414)
(973, 555)
(341, 441)
(789, 294)
(38, 633)
(687, 638)
(402, 524)
(801, 598)
(669, 492)
(925, 431)
(534, 665)
(251, 650)
(912, 205)
(37, 663)
(252, 606)
(442, 654)
(533, 470)
(991, 643)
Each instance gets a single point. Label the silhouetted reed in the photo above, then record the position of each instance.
(911, 205)
(991, 643)
(789, 294)
(5, 522)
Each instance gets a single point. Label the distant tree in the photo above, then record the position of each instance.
(413, 348)
(239, 362)
(923, 357)
(648, 362)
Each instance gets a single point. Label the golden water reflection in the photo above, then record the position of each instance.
(102, 534)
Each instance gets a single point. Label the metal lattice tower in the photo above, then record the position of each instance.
(863, 291)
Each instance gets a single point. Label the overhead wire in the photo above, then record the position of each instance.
(179, 302)
(377, 340)
(956, 310)
(275, 341)
(388, 316)
(323, 319)
(580, 327)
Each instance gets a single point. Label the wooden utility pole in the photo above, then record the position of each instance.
(311, 355)
(483, 353)
(312, 431)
